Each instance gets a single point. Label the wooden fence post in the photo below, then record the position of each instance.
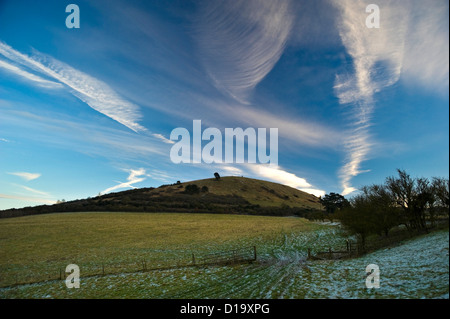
(309, 253)
(193, 259)
(103, 269)
(330, 254)
(60, 274)
(254, 253)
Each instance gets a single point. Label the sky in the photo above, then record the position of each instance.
(90, 110)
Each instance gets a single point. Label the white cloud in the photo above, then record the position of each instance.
(163, 138)
(160, 175)
(313, 191)
(277, 174)
(97, 94)
(232, 170)
(292, 128)
(134, 177)
(29, 76)
(28, 199)
(35, 191)
(411, 45)
(26, 176)
(426, 54)
(377, 63)
(241, 41)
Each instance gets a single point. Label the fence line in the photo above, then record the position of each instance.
(234, 256)
(355, 248)
(240, 255)
(352, 248)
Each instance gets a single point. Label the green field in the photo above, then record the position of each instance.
(35, 248)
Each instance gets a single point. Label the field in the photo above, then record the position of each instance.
(35, 248)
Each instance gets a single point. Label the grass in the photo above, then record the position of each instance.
(35, 248)
(258, 192)
(416, 268)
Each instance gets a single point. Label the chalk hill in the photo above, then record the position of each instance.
(227, 195)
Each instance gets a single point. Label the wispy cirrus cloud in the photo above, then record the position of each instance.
(35, 191)
(411, 45)
(241, 41)
(30, 194)
(26, 176)
(378, 62)
(103, 141)
(28, 199)
(97, 94)
(426, 54)
(301, 131)
(163, 138)
(29, 76)
(134, 177)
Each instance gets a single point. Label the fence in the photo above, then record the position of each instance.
(240, 255)
(352, 248)
(373, 243)
(228, 257)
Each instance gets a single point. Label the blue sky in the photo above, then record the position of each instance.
(90, 110)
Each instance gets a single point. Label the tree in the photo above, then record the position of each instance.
(413, 195)
(358, 218)
(441, 191)
(400, 200)
(382, 207)
(217, 176)
(333, 202)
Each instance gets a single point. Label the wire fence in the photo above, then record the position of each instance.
(30, 275)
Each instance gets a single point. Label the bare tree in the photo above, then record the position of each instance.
(441, 190)
(413, 195)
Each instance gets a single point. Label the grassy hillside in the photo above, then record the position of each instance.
(229, 195)
(254, 191)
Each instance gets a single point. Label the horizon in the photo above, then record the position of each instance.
(90, 109)
(60, 201)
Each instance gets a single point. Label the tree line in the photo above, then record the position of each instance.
(400, 200)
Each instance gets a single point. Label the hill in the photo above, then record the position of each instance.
(232, 195)
(257, 192)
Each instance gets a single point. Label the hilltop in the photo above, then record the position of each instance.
(255, 191)
(232, 195)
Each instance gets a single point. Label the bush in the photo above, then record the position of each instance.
(192, 189)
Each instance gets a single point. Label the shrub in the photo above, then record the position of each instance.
(191, 189)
